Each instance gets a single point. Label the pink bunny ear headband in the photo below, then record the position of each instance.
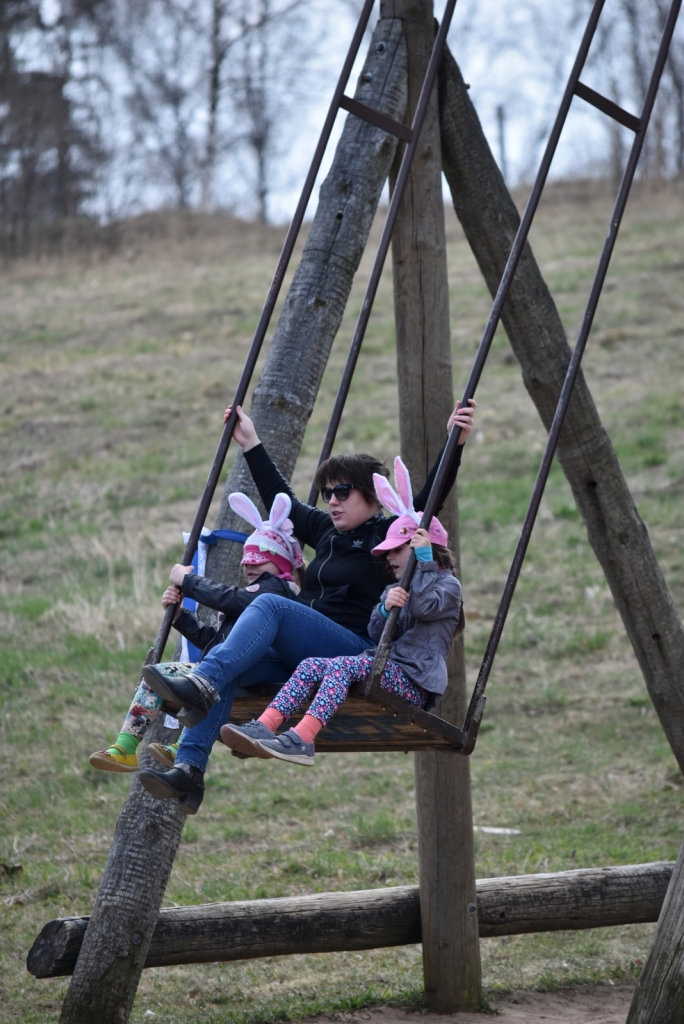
(400, 503)
(272, 540)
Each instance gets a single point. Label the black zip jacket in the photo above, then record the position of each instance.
(344, 581)
(230, 602)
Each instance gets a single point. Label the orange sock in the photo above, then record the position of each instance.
(272, 718)
(308, 729)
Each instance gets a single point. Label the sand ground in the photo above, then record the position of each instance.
(585, 1004)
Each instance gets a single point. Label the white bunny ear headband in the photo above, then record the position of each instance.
(399, 502)
(274, 535)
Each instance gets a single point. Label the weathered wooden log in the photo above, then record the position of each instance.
(659, 995)
(373, 918)
(451, 950)
(616, 531)
(147, 835)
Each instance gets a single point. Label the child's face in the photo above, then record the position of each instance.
(397, 559)
(253, 572)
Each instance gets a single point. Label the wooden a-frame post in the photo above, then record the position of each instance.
(148, 832)
(659, 995)
(616, 532)
(451, 953)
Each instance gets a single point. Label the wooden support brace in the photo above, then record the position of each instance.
(616, 532)
(373, 918)
(451, 952)
(659, 995)
(104, 984)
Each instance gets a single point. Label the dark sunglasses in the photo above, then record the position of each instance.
(341, 492)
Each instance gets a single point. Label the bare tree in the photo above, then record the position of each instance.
(49, 156)
(269, 79)
(201, 82)
(521, 58)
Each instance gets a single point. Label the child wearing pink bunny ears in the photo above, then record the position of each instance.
(272, 563)
(272, 542)
(430, 615)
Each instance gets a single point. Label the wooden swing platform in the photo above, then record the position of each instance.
(359, 725)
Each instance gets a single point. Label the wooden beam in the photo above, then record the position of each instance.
(148, 832)
(370, 919)
(615, 529)
(451, 953)
(659, 995)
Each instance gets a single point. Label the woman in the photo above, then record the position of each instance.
(342, 585)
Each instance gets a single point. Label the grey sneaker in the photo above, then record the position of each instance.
(289, 746)
(244, 739)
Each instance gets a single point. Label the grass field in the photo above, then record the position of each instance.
(114, 371)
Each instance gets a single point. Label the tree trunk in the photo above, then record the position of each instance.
(218, 53)
(659, 996)
(285, 395)
(451, 953)
(616, 532)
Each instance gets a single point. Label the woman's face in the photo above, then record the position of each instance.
(397, 559)
(353, 511)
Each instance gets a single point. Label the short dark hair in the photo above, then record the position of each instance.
(356, 470)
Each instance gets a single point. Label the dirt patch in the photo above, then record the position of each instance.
(585, 1004)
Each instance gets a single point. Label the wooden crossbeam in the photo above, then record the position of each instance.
(373, 918)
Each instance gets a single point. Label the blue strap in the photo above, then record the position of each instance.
(194, 653)
(215, 535)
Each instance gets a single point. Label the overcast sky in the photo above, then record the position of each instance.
(516, 56)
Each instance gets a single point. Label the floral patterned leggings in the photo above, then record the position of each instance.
(333, 677)
(142, 712)
(146, 704)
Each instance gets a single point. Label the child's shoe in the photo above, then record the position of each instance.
(243, 740)
(165, 753)
(114, 759)
(183, 783)
(179, 686)
(288, 746)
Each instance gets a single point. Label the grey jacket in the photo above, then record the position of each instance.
(426, 628)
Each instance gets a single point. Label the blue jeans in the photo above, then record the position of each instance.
(271, 637)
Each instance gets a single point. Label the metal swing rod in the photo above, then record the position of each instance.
(474, 714)
(463, 740)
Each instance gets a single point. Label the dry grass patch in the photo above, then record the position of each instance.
(115, 371)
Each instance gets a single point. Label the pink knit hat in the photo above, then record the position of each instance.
(400, 502)
(272, 540)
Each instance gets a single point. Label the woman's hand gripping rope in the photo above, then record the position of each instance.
(462, 418)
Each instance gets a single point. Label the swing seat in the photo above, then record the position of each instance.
(362, 723)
